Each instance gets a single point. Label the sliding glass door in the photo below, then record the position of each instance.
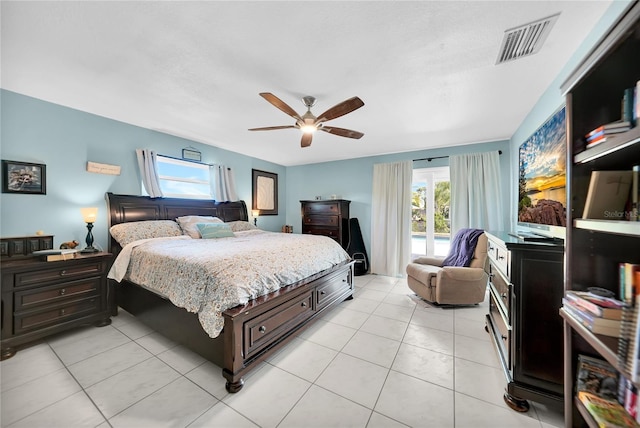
(430, 233)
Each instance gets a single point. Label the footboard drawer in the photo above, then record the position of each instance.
(335, 288)
(271, 325)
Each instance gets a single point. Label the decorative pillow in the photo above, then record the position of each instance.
(188, 224)
(126, 233)
(214, 230)
(239, 226)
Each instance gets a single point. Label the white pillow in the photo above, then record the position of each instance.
(188, 224)
(126, 233)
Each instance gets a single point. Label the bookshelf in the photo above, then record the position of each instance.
(594, 248)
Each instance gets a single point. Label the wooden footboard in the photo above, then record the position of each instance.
(251, 332)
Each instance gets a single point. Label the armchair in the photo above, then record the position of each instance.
(450, 285)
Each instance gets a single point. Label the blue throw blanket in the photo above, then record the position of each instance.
(463, 247)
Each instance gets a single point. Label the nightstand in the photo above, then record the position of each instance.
(41, 298)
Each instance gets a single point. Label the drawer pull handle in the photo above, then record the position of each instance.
(500, 257)
(503, 295)
(63, 272)
(504, 337)
(304, 304)
(63, 291)
(322, 293)
(61, 312)
(262, 329)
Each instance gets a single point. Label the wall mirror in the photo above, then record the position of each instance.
(265, 192)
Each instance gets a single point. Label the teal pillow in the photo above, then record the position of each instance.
(214, 230)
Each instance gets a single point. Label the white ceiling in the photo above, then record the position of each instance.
(425, 70)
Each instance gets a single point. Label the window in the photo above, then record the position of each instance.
(184, 179)
(430, 231)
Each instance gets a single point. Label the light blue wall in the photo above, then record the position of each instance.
(553, 98)
(64, 140)
(352, 179)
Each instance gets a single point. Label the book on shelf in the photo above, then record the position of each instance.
(628, 346)
(597, 376)
(607, 195)
(595, 324)
(606, 413)
(608, 129)
(635, 193)
(628, 105)
(603, 307)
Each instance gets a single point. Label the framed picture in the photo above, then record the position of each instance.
(190, 154)
(265, 192)
(24, 177)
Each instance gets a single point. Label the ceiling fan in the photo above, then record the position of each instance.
(308, 123)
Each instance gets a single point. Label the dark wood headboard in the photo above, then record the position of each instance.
(127, 208)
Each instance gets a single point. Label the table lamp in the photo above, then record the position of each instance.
(89, 215)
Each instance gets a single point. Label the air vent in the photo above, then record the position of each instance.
(525, 40)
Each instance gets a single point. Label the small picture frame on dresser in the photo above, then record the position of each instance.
(24, 177)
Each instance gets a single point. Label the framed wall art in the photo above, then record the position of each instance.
(265, 192)
(24, 177)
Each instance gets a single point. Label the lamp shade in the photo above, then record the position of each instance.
(89, 214)
(255, 213)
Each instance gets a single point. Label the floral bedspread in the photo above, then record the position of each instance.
(208, 276)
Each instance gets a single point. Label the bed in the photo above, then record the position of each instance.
(249, 332)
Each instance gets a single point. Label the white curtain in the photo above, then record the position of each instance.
(476, 196)
(223, 184)
(391, 218)
(149, 172)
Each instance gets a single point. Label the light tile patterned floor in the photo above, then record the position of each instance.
(383, 359)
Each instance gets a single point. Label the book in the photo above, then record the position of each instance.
(635, 193)
(597, 376)
(628, 107)
(603, 307)
(588, 319)
(55, 255)
(607, 195)
(605, 412)
(594, 324)
(628, 346)
(604, 130)
(58, 257)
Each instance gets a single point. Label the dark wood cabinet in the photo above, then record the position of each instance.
(329, 218)
(595, 248)
(525, 292)
(40, 298)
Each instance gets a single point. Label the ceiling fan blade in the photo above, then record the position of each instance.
(342, 132)
(341, 109)
(271, 128)
(306, 139)
(277, 102)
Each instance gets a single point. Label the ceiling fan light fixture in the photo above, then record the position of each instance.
(308, 129)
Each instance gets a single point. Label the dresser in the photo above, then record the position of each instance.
(525, 295)
(327, 217)
(41, 298)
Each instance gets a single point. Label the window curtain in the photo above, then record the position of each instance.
(476, 196)
(223, 184)
(149, 172)
(391, 218)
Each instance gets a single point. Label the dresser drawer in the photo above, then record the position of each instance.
(56, 273)
(25, 300)
(499, 255)
(273, 324)
(32, 320)
(322, 208)
(501, 331)
(333, 289)
(502, 289)
(331, 233)
(322, 220)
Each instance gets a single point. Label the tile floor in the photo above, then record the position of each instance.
(379, 360)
